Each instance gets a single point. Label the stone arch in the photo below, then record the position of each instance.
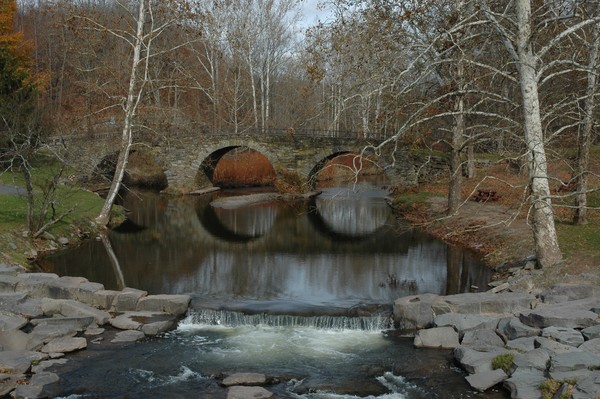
(206, 161)
(321, 160)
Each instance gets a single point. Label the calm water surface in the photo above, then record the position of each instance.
(301, 291)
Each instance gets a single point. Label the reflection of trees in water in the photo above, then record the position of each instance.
(353, 216)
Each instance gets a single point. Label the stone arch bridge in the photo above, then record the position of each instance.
(188, 161)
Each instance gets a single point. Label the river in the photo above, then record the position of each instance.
(299, 291)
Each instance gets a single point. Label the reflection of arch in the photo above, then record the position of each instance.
(321, 164)
(326, 227)
(213, 223)
(207, 160)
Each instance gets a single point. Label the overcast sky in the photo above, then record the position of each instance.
(311, 13)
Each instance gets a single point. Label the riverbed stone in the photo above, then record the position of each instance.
(103, 299)
(19, 362)
(71, 308)
(564, 335)
(524, 383)
(574, 314)
(574, 375)
(8, 283)
(591, 346)
(22, 304)
(588, 386)
(46, 364)
(10, 270)
(65, 345)
(16, 340)
(591, 332)
(127, 299)
(242, 392)
(11, 321)
(244, 379)
(46, 333)
(465, 322)
(484, 303)
(524, 344)
(477, 360)
(512, 328)
(437, 337)
(9, 382)
(561, 293)
(538, 359)
(150, 323)
(570, 361)
(553, 346)
(35, 284)
(75, 323)
(486, 379)
(37, 386)
(128, 336)
(414, 312)
(481, 338)
(86, 292)
(172, 304)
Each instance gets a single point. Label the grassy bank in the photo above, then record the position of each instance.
(16, 247)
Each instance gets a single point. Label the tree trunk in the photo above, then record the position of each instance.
(544, 231)
(455, 187)
(130, 109)
(585, 138)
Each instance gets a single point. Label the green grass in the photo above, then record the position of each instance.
(86, 206)
(503, 361)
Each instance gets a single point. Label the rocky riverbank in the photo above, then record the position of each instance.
(535, 343)
(43, 317)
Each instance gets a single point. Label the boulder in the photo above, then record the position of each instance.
(591, 346)
(71, 308)
(172, 304)
(564, 335)
(8, 383)
(22, 304)
(437, 337)
(465, 322)
(19, 362)
(65, 345)
(561, 293)
(476, 361)
(574, 314)
(127, 299)
(35, 284)
(485, 303)
(414, 312)
(8, 283)
(244, 379)
(588, 386)
(524, 383)
(10, 322)
(524, 344)
(591, 332)
(538, 359)
(486, 379)
(128, 336)
(512, 328)
(103, 299)
(151, 323)
(482, 339)
(239, 392)
(17, 340)
(571, 361)
(553, 346)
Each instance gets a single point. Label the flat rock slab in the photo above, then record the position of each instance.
(482, 338)
(575, 361)
(591, 346)
(128, 336)
(465, 322)
(12, 322)
(71, 308)
(485, 303)
(591, 332)
(561, 293)
(414, 312)
(245, 379)
(477, 361)
(127, 300)
(437, 337)
(486, 379)
(172, 304)
(538, 359)
(18, 340)
(512, 328)
(8, 382)
(238, 392)
(574, 314)
(524, 344)
(524, 384)
(20, 303)
(151, 323)
(65, 345)
(588, 386)
(19, 362)
(564, 335)
(553, 346)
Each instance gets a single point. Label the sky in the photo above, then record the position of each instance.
(311, 13)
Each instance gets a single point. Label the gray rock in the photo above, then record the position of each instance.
(570, 361)
(39, 386)
(6, 270)
(538, 359)
(437, 337)
(10, 322)
(75, 323)
(46, 364)
(8, 283)
(477, 361)
(486, 379)
(87, 293)
(20, 303)
(465, 322)
(65, 345)
(127, 299)
(414, 312)
(238, 392)
(482, 338)
(151, 323)
(46, 333)
(572, 314)
(485, 303)
(128, 336)
(103, 299)
(245, 379)
(591, 346)
(553, 346)
(574, 375)
(524, 344)
(71, 308)
(588, 386)
(591, 332)
(513, 328)
(19, 362)
(9, 382)
(157, 327)
(569, 292)
(63, 240)
(567, 336)
(524, 383)
(35, 284)
(172, 304)
(17, 340)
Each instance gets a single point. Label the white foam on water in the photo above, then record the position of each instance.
(151, 379)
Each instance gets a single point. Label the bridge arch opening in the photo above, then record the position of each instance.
(345, 166)
(142, 169)
(236, 166)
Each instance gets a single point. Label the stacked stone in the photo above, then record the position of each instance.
(555, 335)
(43, 316)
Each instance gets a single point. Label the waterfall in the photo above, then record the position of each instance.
(325, 322)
